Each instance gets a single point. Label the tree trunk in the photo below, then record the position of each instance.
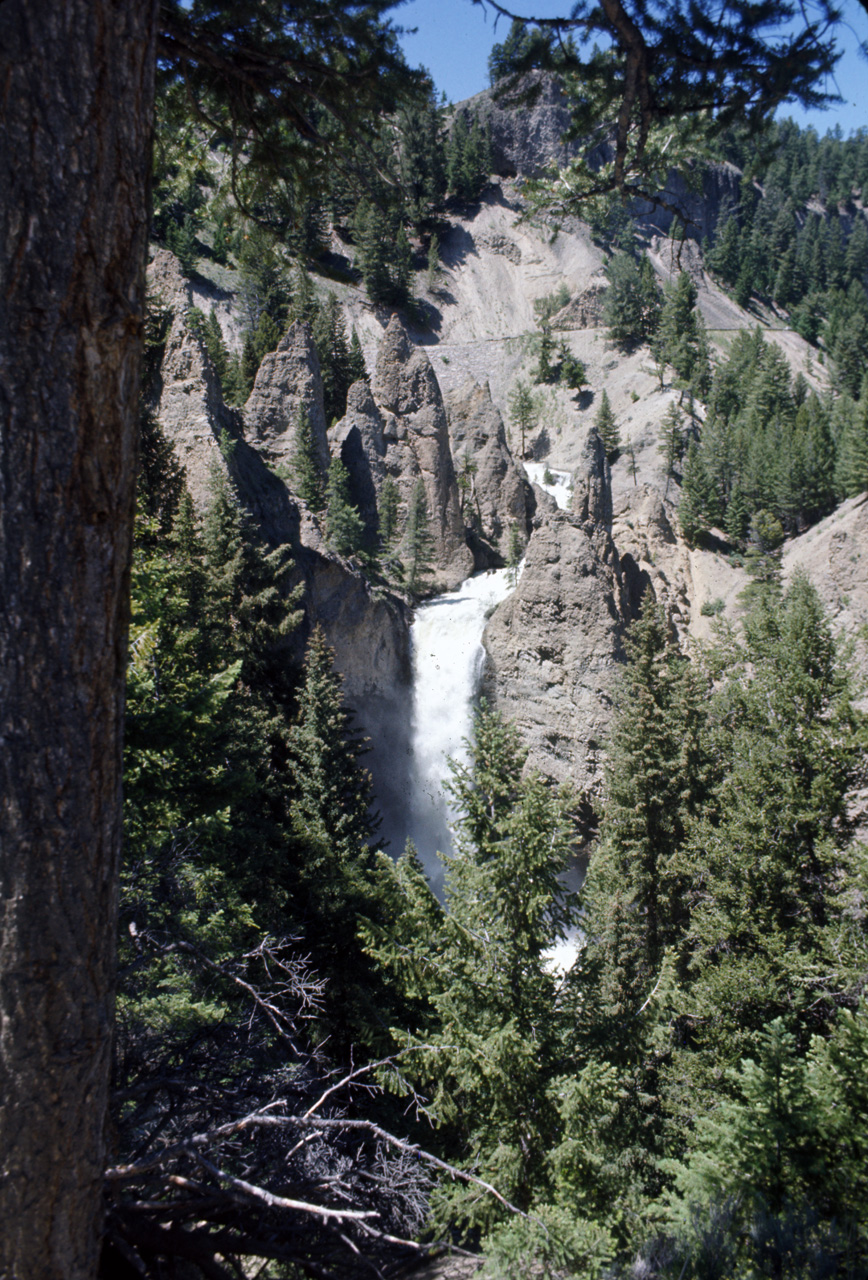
(76, 107)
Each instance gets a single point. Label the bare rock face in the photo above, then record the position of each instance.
(369, 632)
(190, 408)
(288, 380)
(584, 311)
(556, 645)
(834, 555)
(358, 440)
(525, 137)
(592, 484)
(416, 438)
(499, 495)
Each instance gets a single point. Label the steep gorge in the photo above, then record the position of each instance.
(435, 407)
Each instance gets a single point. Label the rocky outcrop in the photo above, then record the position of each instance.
(368, 631)
(526, 135)
(834, 555)
(584, 311)
(358, 440)
(288, 381)
(498, 494)
(592, 484)
(555, 646)
(700, 205)
(416, 438)
(189, 405)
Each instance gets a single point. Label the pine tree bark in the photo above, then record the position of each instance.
(76, 108)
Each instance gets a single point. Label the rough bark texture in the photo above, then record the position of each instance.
(76, 90)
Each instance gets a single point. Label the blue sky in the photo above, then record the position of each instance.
(455, 37)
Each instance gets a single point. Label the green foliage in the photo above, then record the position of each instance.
(422, 157)
(417, 544)
(468, 157)
(297, 128)
(696, 507)
(344, 525)
(515, 552)
(673, 441)
(388, 512)
(433, 263)
(680, 340)
(524, 413)
(488, 1040)
(333, 882)
(771, 841)
(571, 371)
(636, 897)
(545, 307)
(546, 370)
(338, 365)
(851, 468)
(767, 444)
(383, 256)
(524, 47)
(633, 301)
(307, 472)
(607, 428)
(181, 239)
(786, 1152)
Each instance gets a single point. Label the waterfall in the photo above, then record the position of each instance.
(560, 485)
(448, 660)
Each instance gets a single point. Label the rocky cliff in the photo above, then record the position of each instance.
(497, 495)
(554, 647)
(368, 630)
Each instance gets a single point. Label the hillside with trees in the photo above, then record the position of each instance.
(296, 1055)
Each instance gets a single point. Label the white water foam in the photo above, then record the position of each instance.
(559, 486)
(448, 659)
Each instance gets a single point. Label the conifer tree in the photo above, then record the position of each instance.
(307, 474)
(433, 262)
(388, 512)
(523, 413)
(636, 898)
(514, 554)
(402, 269)
(737, 518)
(696, 500)
(331, 877)
(768, 848)
(672, 442)
(372, 239)
(344, 525)
(546, 370)
(356, 367)
(680, 337)
(632, 302)
(417, 543)
(851, 471)
(488, 1044)
(330, 338)
(607, 428)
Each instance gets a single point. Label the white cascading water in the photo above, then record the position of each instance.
(448, 659)
(559, 486)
